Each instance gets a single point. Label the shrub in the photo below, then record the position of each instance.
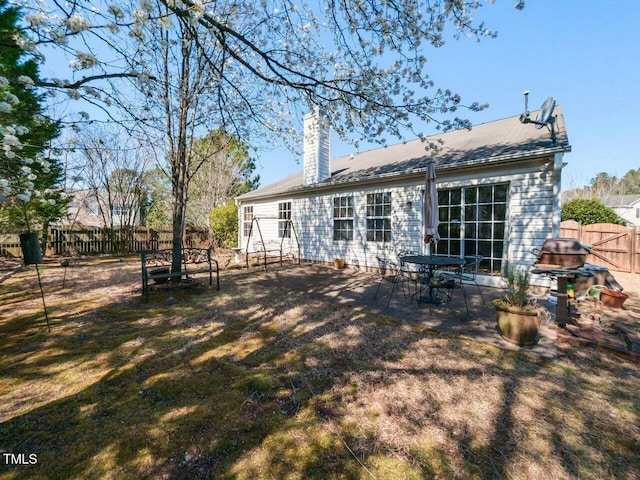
(517, 290)
(224, 225)
(588, 211)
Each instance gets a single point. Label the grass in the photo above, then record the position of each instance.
(257, 381)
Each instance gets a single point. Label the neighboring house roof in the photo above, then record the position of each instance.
(620, 201)
(499, 141)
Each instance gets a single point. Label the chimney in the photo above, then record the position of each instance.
(316, 147)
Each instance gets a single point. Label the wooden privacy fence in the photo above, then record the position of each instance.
(87, 241)
(614, 246)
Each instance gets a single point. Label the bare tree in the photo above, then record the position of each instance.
(114, 171)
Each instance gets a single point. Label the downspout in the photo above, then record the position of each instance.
(557, 187)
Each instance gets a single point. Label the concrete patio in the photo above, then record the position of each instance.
(357, 289)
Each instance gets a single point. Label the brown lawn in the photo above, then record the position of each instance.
(255, 381)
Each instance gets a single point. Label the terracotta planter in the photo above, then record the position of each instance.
(612, 298)
(338, 263)
(518, 326)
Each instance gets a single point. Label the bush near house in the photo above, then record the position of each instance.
(224, 225)
(589, 211)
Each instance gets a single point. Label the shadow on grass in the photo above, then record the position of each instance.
(256, 381)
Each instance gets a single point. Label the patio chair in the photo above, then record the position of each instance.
(386, 265)
(404, 276)
(470, 270)
(447, 281)
(409, 275)
(467, 273)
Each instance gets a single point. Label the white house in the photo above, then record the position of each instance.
(626, 207)
(498, 188)
(98, 210)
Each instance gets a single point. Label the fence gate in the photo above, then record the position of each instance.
(614, 246)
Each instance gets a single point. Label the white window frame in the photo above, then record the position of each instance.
(379, 217)
(343, 213)
(247, 219)
(284, 220)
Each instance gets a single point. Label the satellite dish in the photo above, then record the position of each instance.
(545, 115)
(545, 112)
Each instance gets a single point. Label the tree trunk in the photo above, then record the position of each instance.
(178, 214)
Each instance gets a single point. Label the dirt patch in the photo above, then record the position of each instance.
(9, 266)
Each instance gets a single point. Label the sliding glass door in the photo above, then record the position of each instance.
(473, 222)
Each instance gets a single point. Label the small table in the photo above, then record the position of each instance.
(433, 262)
(562, 275)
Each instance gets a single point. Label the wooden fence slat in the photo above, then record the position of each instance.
(94, 240)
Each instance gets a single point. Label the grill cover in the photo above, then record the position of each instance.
(563, 252)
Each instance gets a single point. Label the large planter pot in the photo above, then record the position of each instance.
(518, 326)
(338, 263)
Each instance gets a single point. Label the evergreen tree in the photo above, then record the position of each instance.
(224, 170)
(29, 178)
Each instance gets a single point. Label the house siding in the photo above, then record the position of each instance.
(628, 214)
(531, 215)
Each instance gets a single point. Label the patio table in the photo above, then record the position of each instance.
(432, 263)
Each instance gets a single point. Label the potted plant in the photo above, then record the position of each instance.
(517, 314)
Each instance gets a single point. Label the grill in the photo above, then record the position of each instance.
(562, 253)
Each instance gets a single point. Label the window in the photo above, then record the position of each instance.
(120, 210)
(247, 219)
(343, 218)
(379, 217)
(92, 208)
(473, 222)
(284, 217)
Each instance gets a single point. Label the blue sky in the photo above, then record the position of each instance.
(586, 54)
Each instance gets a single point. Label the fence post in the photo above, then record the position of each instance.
(634, 237)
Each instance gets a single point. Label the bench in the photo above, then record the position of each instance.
(156, 266)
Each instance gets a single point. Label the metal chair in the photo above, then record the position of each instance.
(385, 265)
(470, 270)
(447, 281)
(408, 275)
(467, 273)
(404, 276)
